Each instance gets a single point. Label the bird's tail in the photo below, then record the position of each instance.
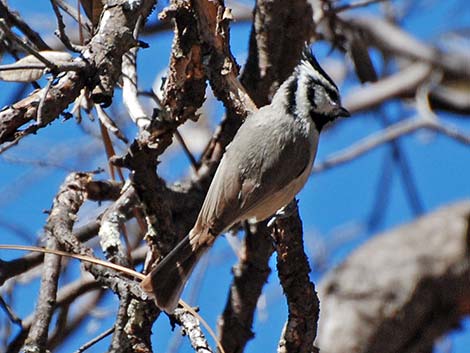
(167, 279)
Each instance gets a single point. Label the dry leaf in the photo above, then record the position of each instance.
(20, 72)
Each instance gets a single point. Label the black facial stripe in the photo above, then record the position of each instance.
(311, 95)
(320, 120)
(331, 92)
(307, 55)
(291, 94)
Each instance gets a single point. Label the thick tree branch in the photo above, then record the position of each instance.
(402, 84)
(71, 195)
(300, 329)
(392, 39)
(402, 289)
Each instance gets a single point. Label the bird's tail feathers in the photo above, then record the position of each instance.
(166, 281)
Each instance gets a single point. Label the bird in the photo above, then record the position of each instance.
(264, 167)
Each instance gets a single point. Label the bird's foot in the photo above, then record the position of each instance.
(285, 212)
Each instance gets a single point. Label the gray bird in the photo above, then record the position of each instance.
(263, 168)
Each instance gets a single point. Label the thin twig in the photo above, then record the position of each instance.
(61, 30)
(95, 340)
(15, 19)
(393, 132)
(450, 131)
(355, 5)
(409, 183)
(23, 264)
(129, 84)
(9, 67)
(43, 93)
(9, 145)
(64, 66)
(10, 313)
(110, 125)
(6, 30)
(381, 195)
(82, 22)
(195, 164)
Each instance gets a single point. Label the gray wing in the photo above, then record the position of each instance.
(262, 159)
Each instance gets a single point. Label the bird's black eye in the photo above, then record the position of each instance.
(333, 94)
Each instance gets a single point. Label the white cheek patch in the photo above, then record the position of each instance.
(301, 96)
(324, 104)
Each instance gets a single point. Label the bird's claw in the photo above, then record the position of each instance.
(285, 212)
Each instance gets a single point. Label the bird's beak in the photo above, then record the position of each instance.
(343, 112)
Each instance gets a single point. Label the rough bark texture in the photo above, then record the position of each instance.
(300, 329)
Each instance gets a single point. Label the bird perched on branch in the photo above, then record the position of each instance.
(263, 168)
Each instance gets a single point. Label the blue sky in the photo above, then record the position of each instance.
(335, 203)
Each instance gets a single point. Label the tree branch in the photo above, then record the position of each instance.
(38, 334)
(389, 134)
(191, 328)
(394, 294)
(300, 329)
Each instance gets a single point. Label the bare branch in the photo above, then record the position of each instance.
(120, 341)
(15, 20)
(393, 132)
(61, 29)
(400, 84)
(95, 340)
(38, 334)
(10, 313)
(72, 12)
(13, 268)
(113, 38)
(112, 221)
(130, 89)
(213, 19)
(190, 327)
(390, 38)
(292, 264)
(6, 30)
(105, 59)
(356, 4)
